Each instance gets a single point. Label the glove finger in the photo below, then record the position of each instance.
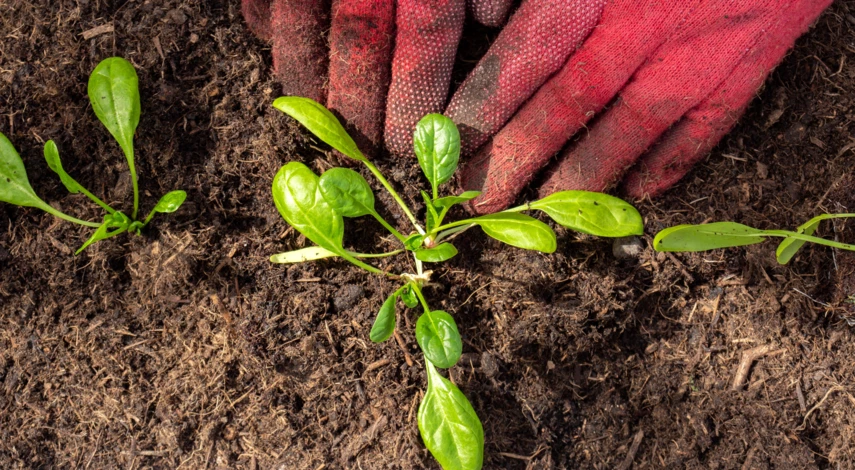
(489, 12)
(672, 82)
(531, 48)
(629, 31)
(701, 128)
(360, 57)
(257, 16)
(299, 47)
(426, 43)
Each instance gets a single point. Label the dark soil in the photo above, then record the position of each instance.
(186, 348)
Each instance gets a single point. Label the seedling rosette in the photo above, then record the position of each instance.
(114, 94)
(317, 205)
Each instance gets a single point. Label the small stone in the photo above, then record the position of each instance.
(347, 296)
(627, 247)
(488, 364)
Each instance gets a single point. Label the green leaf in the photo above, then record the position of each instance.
(449, 426)
(305, 254)
(413, 241)
(115, 97)
(170, 202)
(437, 146)
(437, 254)
(706, 237)
(103, 232)
(347, 192)
(384, 324)
(14, 186)
(297, 195)
(593, 213)
(518, 230)
(321, 122)
(408, 295)
(437, 335)
(448, 201)
(54, 163)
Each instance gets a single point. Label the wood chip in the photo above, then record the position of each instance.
(97, 31)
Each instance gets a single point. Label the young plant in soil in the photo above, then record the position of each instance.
(315, 206)
(714, 235)
(115, 98)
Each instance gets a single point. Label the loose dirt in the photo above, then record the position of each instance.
(186, 348)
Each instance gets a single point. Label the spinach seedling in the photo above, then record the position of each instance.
(115, 98)
(714, 235)
(316, 207)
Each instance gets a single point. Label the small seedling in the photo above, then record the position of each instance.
(115, 98)
(315, 206)
(705, 237)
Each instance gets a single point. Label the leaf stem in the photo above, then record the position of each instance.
(374, 255)
(808, 238)
(456, 223)
(50, 210)
(421, 297)
(394, 195)
(391, 229)
(452, 231)
(346, 255)
(95, 199)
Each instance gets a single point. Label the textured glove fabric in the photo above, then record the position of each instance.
(360, 54)
(700, 129)
(489, 12)
(654, 61)
(300, 53)
(534, 45)
(425, 47)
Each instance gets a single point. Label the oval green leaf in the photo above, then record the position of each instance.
(347, 192)
(408, 295)
(384, 324)
(297, 195)
(14, 186)
(413, 241)
(321, 122)
(304, 254)
(449, 426)
(593, 213)
(437, 335)
(706, 237)
(437, 254)
(449, 201)
(55, 164)
(518, 230)
(115, 97)
(437, 146)
(170, 202)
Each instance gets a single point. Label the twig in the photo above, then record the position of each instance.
(633, 449)
(403, 347)
(748, 358)
(835, 388)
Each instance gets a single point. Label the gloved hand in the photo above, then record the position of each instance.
(677, 75)
(352, 75)
(690, 64)
(425, 34)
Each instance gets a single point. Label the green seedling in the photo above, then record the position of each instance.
(115, 98)
(316, 207)
(715, 235)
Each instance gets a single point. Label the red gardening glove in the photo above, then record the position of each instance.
(677, 75)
